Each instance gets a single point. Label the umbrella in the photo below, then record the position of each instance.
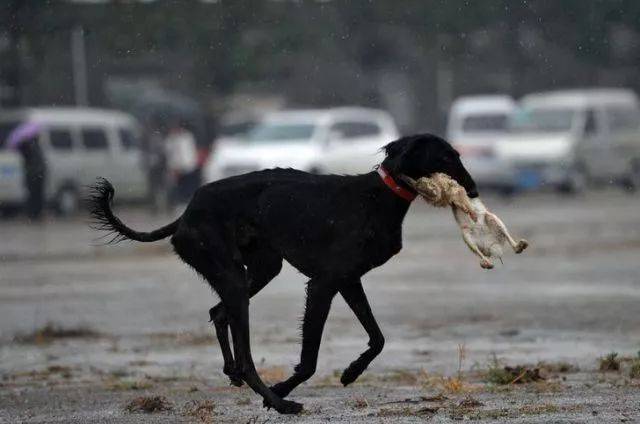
(22, 133)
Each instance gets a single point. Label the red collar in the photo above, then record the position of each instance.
(395, 187)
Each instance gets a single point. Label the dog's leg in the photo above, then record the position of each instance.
(208, 253)
(319, 297)
(218, 316)
(236, 302)
(263, 265)
(355, 297)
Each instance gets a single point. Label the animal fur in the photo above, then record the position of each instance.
(482, 231)
(334, 229)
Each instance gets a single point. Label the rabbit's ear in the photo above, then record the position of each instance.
(408, 180)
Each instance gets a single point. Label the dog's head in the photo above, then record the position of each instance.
(424, 154)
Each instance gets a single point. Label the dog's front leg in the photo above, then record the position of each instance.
(320, 293)
(355, 297)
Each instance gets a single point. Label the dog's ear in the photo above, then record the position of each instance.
(394, 148)
(395, 151)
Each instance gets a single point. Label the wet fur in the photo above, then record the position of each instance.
(236, 232)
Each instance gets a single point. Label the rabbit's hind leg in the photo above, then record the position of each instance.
(500, 230)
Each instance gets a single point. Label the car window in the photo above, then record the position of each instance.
(623, 119)
(488, 122)
(355, 129)
(269, 132)
(128, 139)
(60, 139)
(542, 120)
(94, 139)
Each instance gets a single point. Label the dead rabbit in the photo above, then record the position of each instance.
(482, 231)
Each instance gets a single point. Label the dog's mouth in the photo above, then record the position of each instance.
(441, 190)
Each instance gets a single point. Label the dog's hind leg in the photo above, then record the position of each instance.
(213, 258)
(355, 297)
(263, 264)
(319, 297)
(236, 303)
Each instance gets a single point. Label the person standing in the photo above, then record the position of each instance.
(25, 139)
(182, 161)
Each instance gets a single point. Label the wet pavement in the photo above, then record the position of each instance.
(136, 324)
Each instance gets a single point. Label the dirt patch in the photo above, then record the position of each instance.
(149, 404)
(183, 339)
(52, 332)
(272, 375)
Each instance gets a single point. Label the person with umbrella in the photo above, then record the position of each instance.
(24, 139)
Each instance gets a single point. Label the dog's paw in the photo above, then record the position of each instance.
(284, 406)
(235, 380)
(522, 244)
(235, 377)
(350, 375)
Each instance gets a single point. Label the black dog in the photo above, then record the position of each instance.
(334, 229)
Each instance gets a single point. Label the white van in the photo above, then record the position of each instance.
(474, 125)
(345, 140)
(79, 145)
(565, 138)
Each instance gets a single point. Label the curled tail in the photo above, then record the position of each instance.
(100, 196)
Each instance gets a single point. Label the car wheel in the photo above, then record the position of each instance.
(632, 182)
(575, 183)
(67, 201)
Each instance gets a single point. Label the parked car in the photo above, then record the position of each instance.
(79, 144)
(565, 139)
(343, 140)
(475, 124)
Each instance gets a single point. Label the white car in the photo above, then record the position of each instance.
(475, 124)
(79, 144)
(563, 139)
(345, 140)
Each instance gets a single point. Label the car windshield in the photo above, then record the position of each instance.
(269, 132)
(485, 123)
(542, 120)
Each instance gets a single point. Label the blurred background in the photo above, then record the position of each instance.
(538, 96)
(217, 69)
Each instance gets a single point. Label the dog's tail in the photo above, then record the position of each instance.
(99, 200)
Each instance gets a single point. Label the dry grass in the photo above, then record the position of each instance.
(40, 375)
(203, 411)
(125, 385)
(610, 362)
(149, 404)
(561, 367)
(408, 411)
(503, 375)
(360, 403)
(52, 332)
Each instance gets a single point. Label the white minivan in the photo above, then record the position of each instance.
(474, 125)
(564, 139)
(79, 145)
(344, 140)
